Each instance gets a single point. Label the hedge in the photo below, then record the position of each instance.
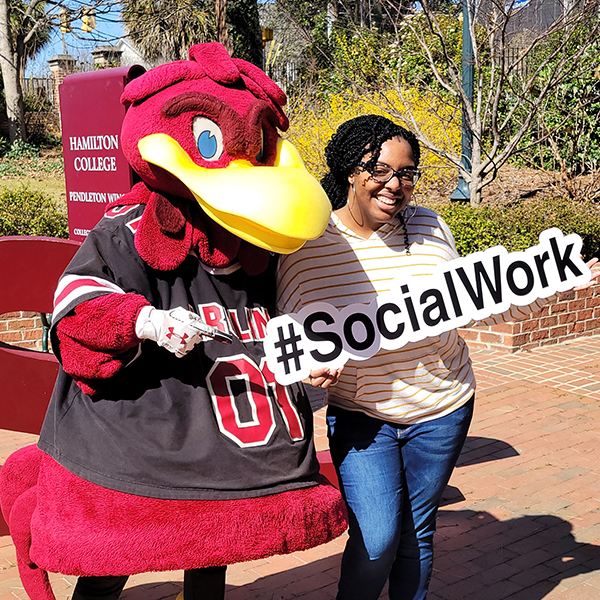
(517, 226)
(24, 211)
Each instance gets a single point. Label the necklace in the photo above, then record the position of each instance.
(361, 225)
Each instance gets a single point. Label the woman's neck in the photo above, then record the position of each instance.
(355, 222)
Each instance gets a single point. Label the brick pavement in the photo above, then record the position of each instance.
(520, 519)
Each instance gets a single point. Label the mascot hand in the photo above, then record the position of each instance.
(178, 330)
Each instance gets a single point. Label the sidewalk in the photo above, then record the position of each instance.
(520, 519)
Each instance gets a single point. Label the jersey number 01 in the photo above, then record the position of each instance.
(259, 382)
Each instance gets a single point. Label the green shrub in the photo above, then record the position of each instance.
(517, 226)
(23, 159)
(21, 149)
(26, 212)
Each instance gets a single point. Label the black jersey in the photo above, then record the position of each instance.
(211, 425)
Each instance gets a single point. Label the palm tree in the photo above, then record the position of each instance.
(165, 29)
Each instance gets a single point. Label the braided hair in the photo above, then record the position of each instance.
(347, 147)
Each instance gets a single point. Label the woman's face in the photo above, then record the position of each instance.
(370, 203)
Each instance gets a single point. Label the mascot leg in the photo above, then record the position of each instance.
(198, 584)
(99, 588)
(18, 499)
(204, 584)
(18, 474)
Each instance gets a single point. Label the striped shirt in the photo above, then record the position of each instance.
(422, 380)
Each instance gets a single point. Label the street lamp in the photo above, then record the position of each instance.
(462, 192)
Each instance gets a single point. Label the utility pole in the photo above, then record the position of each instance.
(462, 192)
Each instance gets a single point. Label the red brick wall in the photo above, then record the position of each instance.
(23, 329)
(570, 315)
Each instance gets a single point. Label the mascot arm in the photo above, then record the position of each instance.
(97, 339)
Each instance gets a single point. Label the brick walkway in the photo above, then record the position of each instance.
(520, 519)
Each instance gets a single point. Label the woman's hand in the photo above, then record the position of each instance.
(595, 275)
(324, 377)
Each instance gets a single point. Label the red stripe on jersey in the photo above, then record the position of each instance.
(133, 225)
(77, 284)
(117, 211)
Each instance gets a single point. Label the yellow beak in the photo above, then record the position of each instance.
(277, 208)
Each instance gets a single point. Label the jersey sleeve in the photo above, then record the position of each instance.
(96, 305)
(106, 263)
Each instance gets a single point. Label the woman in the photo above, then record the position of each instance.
(397, 421)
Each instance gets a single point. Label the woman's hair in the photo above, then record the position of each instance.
(350, 143)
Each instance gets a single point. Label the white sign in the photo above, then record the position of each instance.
(460, 291)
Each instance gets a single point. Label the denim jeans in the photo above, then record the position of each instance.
(392, 478)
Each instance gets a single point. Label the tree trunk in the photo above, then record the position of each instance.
(220, 17)
(476, 173)
(332, 16)
(9, 65)
(475, 192)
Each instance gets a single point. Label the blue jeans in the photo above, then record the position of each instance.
(392, 478)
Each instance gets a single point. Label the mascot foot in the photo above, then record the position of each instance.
(99, 588)
(204, 584)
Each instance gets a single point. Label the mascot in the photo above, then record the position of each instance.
(168, 444)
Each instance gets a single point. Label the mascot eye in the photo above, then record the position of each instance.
(209, 138)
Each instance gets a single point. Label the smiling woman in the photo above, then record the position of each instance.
(379, 191)
(397, 420)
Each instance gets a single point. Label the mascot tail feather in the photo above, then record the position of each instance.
(18, 499)
(19, 473)
(35, 580)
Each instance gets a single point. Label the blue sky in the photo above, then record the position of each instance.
(108, 31)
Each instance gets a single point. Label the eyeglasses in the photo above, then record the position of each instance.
(382, 173)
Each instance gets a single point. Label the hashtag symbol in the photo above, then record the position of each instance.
(294, 353)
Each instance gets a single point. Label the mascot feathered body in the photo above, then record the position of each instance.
(168, 444)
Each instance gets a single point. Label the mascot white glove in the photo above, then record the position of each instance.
(178, 330)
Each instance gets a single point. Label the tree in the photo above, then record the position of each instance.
(165, 29)
(522, 56)
(518, 64)
(515, 71)
(24, 28)
(244, 30)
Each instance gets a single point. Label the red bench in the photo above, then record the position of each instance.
(30, 268)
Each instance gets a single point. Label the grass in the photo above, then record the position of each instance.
(42, 173)
(55, 188)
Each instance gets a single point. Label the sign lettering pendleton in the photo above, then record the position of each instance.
(471, 288)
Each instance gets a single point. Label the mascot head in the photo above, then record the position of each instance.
(206, 130)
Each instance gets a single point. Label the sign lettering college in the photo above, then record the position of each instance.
(471, 288)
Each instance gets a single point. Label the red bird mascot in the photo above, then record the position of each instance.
(168, 444)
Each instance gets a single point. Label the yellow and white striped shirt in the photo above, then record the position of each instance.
(422, 380)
